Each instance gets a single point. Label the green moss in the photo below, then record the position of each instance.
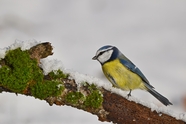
(19, 70)
(57, 74)
(94, 99)
(20, 74)
(47, 88)
(73, 97)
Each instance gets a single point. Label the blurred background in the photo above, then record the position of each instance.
(150, 33)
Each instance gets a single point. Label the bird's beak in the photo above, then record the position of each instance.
(94, 58)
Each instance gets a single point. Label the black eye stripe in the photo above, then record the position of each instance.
(103, 52)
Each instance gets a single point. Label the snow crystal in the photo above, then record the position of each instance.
(59, 86)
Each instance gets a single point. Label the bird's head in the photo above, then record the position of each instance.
(106, 53)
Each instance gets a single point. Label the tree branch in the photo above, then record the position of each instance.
(20, 73)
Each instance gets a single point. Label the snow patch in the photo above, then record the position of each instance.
(24, 45)
(182, 116)
(49, 65)
(79, 78)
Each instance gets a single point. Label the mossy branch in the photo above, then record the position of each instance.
(20, 73)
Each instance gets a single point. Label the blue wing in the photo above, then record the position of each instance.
(127, 63)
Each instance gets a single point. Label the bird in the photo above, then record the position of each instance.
(123, 74)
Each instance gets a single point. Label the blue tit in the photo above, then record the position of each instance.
(123, 74)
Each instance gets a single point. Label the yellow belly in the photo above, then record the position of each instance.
(121, 77)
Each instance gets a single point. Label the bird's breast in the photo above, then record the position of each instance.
(120, 76)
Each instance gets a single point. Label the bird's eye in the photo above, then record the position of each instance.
(101, 53)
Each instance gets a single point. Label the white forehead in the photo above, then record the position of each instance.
(103, 49)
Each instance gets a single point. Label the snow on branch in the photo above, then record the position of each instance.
(24, 69)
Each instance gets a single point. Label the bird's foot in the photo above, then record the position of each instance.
(129, 94)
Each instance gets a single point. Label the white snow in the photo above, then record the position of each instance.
(2, 53)
(24, 45)
(79, 78)
(59, 85)
(50, 64)
(182, 116)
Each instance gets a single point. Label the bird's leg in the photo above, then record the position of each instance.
(129, 93)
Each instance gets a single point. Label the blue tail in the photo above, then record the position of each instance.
(158, 96)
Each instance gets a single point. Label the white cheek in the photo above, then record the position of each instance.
(105, 56)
